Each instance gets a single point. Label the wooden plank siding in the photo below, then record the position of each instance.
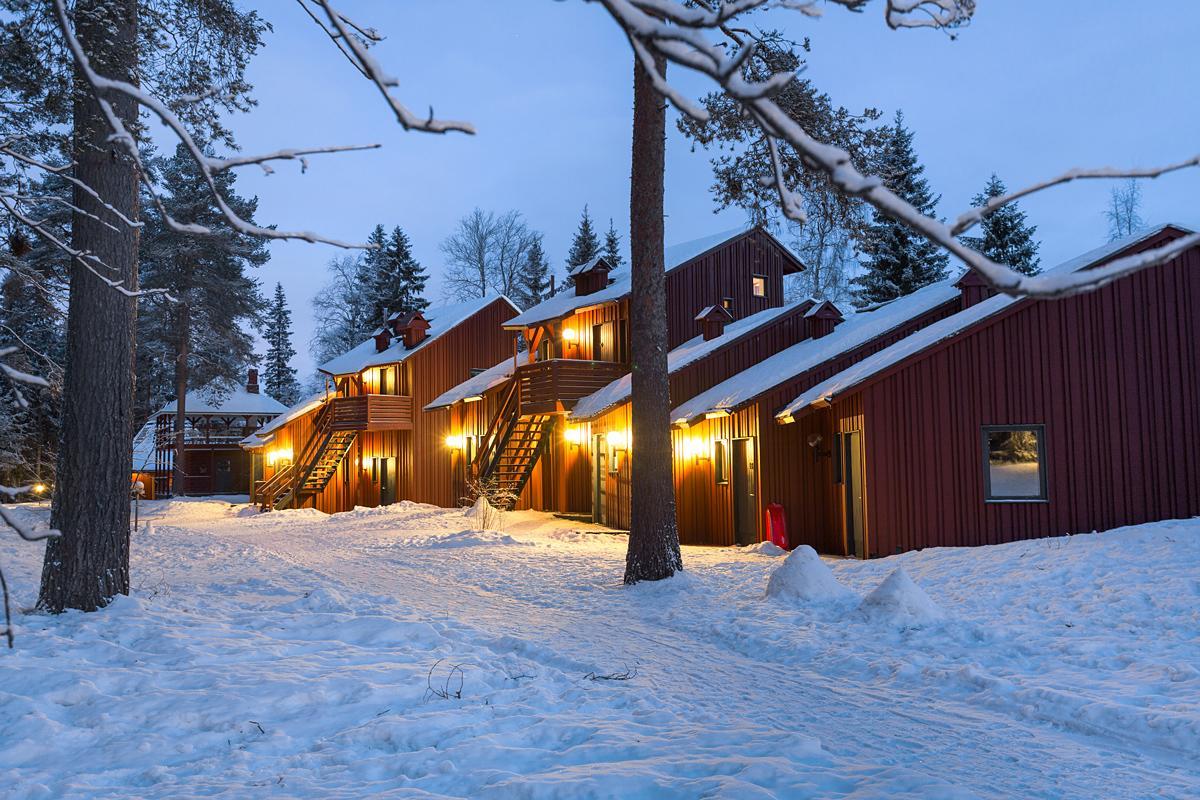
(1113, 375)
(726, 271)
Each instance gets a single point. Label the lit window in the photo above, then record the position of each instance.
(759, 285)
(727, 304)
(720, 462)
(1014, 467)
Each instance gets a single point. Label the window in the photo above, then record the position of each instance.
(721, 461)
(1014, 463)
(727, 304)
(758, 285)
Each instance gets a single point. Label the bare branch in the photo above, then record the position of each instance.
(678, 33)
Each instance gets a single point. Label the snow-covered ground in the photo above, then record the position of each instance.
(396, 652)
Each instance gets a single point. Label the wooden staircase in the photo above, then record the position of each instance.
(511, 449)
(323, 453)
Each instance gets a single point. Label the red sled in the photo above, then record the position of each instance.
(776, 527)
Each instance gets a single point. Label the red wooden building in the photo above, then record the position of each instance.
(216, 418)
(364, 441)
(513, 422)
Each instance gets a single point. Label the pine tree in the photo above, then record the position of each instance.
(1006, 239)
(586, 245)
(397, 282)
(899, 261)
(535, 278)
(372, 277)
(279, 374)
(612, 246)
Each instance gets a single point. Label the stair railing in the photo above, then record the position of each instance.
(488, 457)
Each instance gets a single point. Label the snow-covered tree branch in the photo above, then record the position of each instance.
(698, 38)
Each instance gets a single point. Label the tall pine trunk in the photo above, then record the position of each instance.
(89, 564)
(181, 386)
(653, 536)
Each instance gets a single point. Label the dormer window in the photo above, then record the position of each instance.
(758, 285)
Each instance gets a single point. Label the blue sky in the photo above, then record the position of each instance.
(1029, 89)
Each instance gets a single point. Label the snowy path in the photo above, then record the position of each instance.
(1065, 669)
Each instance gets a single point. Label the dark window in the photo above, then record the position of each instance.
(1014, 463)
(758, 285)
(721, 461)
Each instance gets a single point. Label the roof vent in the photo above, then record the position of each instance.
(822, 319)
(252, 382)
(973, 288)
(383, 338)
(713, 320)
(411, 326)
(590, 276)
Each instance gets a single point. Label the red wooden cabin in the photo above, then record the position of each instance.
(364, 441)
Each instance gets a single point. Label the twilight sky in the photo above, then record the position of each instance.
(1029, 89)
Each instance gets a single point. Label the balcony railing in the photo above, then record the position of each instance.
(372, 412)
(552, 386)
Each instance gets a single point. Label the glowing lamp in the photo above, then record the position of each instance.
(698, 449)
(39, 488)
(618, 440)
(366, 463)
(573, 435)
(454, 442)
(569, 334)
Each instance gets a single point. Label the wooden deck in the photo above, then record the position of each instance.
(553, 386)
(373, 412)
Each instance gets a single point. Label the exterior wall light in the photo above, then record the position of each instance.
(455, 442)
(39, 488)
(618, 440)
(569, 334)
(573, 435)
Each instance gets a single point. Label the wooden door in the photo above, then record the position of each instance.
(852, 484)
(745, 492)
(387, 481)
(599, 477)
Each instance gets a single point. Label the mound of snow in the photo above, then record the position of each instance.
(764, 549)
(482, 508)
(804, 576)
(899, 599)
(465, 539)
(323, 600)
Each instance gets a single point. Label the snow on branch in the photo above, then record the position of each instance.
(102, 88)
(353, 40)
(680, 33)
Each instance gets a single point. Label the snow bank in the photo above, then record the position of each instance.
(804, 576)
(899, 599)
(764, 549)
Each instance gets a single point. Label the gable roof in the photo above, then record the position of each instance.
(858, 329)
(263, 434)
(588, 266)
(675, 256)
(234, 399)
(475, 385)
(441, 320)
(949, 327)
(617, 393)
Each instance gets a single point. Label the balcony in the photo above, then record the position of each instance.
(548, 387)
(372, 412)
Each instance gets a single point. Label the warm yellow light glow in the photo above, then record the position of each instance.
(366, 463)
(697, 448)
(281, 456)
(38, 488)
(569, 334)
(455, 442)
(573, 434)
(618, 440)
(721, 412)
(475, 398)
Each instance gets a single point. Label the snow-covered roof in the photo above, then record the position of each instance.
(567, 302)
(306, 405)
(441, 319)
(949, 327)
(235, 401)
(588, 266)
(476, 385)
(617, 392)
(143, 447)
(858, 329)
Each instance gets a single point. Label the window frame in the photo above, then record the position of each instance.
(721, 462)
(754, 279)
(1039, 429)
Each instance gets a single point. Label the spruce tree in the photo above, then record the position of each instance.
(279, 374)
(400, 280)
(586, 245)
(898, 260)
(1006, 239)
(535, 278)
(612, 246)
(370, 269)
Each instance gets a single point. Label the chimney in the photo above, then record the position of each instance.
(411, 326)
(590, 276)
(252, 382)
(822, 319)
(713, 320)
(383, 339)
(972, 289)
